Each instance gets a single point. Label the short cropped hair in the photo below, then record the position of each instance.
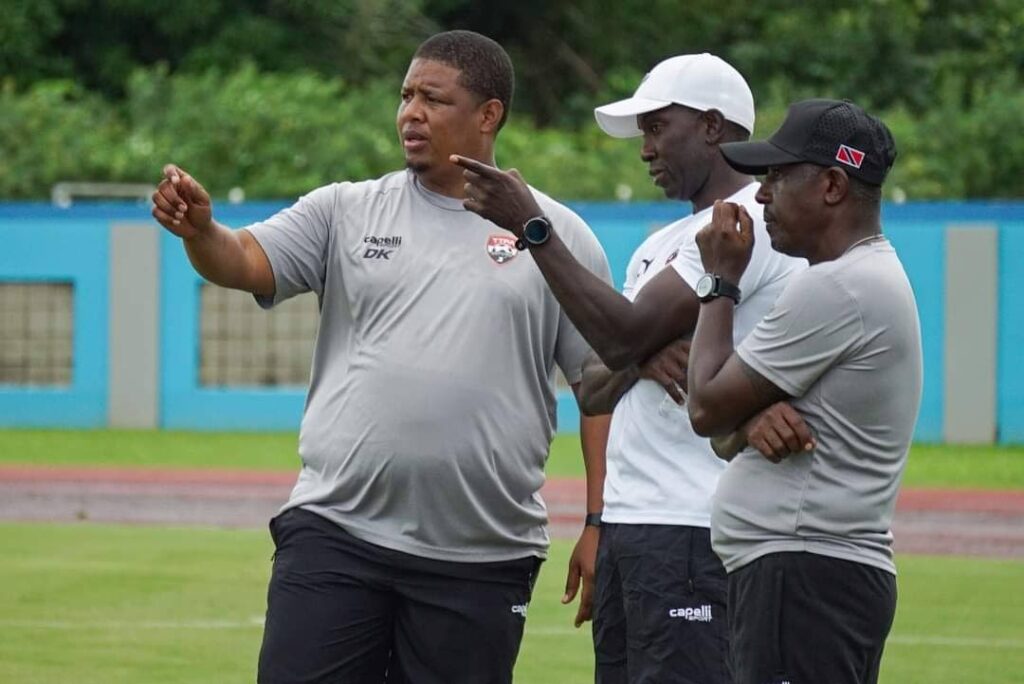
(485, 68)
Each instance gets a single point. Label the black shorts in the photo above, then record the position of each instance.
(804, 618)
(659, 607)
(344, 611)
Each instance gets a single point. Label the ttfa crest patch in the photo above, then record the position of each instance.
(501, 248)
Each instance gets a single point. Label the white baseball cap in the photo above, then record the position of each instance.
(701, 82)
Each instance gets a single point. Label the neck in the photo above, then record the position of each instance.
(722, 183)
(840, 238)
(449, 185)
(448, 179)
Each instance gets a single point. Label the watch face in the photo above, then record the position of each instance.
(536, 231)
(705, 285)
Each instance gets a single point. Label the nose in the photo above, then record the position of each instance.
(647, 152)
(763, 194)
(410, 110)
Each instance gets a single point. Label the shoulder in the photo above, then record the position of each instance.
(392, 184)
(571, 227)
(344, 198)
(822, 286)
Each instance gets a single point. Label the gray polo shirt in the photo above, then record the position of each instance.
(431, 403)
(844, 340)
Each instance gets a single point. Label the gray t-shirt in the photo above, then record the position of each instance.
(844, 340)
(431, 402)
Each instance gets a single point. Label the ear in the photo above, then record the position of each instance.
(491, 112)
(714, 126)
(837, 185)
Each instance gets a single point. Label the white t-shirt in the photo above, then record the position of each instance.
(659, 471)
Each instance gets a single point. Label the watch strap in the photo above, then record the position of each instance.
(720, 287)
(592, 520)
(723, 288)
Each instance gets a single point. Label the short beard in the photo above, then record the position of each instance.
(417, 167)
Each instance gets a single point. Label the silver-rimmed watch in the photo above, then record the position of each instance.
(711, 285)
(536, 231)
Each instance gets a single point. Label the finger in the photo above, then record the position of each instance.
(792, 442)
(164, 219)
(188, 188)
(674, 391)
(800, 428)
(170, 193)
(775, 442)
(572, 582)
(717, 213)
(746, 225)
(472, 191)
(472, 176)
(163, 205)
(172, 172)
(758, 442)
(474, 165)
(586, 608)
(515, 174)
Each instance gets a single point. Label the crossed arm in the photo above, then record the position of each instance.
(622, 333)
(727, 396)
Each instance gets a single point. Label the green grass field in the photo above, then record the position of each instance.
(930, 465)
(95, 604)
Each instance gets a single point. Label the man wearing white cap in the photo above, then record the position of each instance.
(659, 591)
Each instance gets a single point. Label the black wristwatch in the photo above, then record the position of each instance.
(592, 520)
(536, 232)
(711, 286)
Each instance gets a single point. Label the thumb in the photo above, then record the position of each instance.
(195, 192)
(172, 172)
(572, 582)
(746, 225)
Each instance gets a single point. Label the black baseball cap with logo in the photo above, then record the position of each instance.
(824, 132)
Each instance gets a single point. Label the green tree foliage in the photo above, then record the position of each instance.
(278, 96)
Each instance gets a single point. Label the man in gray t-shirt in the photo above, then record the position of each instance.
(411, 541)
(826, 389)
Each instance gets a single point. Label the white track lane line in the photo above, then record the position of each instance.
(257, 621)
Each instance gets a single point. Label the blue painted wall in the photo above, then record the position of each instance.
(42, 243)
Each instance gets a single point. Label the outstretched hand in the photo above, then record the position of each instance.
(499, 196)
(727, 242)
(181, 204)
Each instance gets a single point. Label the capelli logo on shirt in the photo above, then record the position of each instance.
(520, 609)
(698, 614)
(381, 247)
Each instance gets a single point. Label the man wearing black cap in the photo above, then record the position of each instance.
(806, 539)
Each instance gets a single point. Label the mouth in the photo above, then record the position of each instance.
(413, 141)
(658, 176)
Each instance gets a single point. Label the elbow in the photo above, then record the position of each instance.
(706, 421)
(589, 400)
(700, 419)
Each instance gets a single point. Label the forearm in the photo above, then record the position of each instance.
(222, 256)
(594, 441)
(602, 387)
(712, 345)
(605, 318)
